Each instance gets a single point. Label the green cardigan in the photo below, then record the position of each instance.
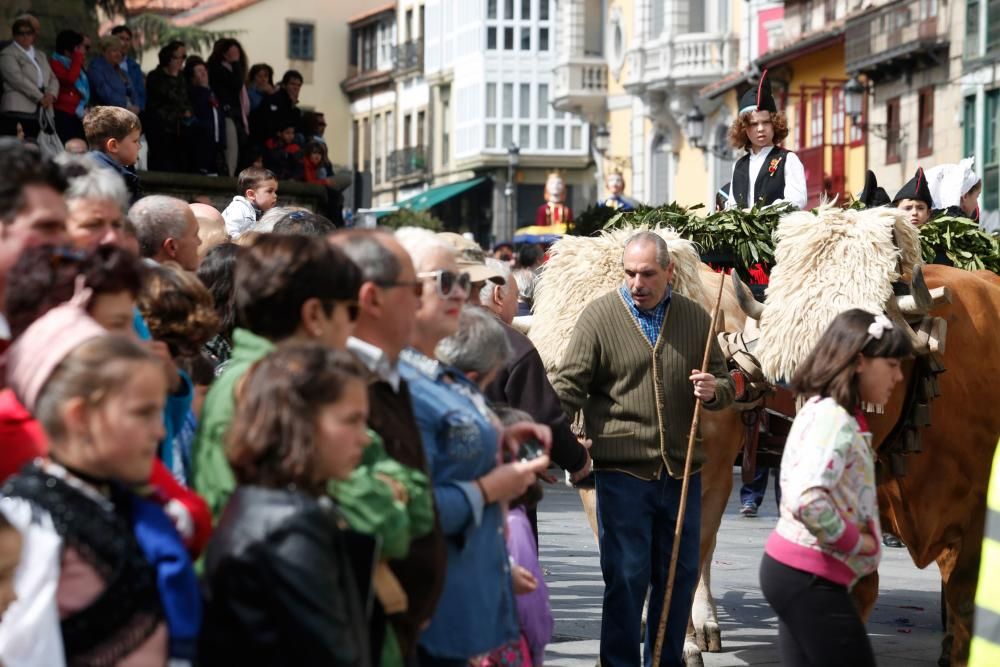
(637, 401)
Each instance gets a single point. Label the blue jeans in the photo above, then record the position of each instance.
(753, 493)
(635, 520)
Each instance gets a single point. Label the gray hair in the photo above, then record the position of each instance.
(271, 217)
(486, 292)
(644, 237)
(87, 180)
(526, 280)
(156, 219)
(377, 263)
(479, 345)
(421, 243)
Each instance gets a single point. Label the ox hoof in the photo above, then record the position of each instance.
(713, 637)
(692, 658)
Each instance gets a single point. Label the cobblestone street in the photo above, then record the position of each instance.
(905, 627)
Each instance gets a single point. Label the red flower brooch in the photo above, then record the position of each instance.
(773, 167)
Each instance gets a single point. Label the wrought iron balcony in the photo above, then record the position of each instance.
(406, 163)
(581, 85)
(895, 37)
(408, 56)
(692, 59)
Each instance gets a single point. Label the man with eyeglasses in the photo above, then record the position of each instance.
(28, 81)
(388, 300)
(472, 259)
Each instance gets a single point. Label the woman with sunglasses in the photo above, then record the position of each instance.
(463, 440)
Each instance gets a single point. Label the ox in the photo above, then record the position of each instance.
(838, 259)
(582, 269)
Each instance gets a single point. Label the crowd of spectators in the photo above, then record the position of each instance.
(211, 116)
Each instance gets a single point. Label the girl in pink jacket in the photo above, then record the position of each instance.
(828, 533)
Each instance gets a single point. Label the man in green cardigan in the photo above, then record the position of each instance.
(632, 369)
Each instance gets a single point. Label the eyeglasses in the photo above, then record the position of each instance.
(415, 285)
(24, 33)
(447, 281)
(353, 309)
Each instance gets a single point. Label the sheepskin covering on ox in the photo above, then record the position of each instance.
(580, 269)
(825, 263)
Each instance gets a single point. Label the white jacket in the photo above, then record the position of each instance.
(21, 93)
(240, 217)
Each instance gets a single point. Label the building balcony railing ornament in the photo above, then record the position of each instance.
(581, 85)
(895, 37)
(693, 59)
(406, 163)
(408, 56)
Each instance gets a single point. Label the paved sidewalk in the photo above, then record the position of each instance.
(905, 626)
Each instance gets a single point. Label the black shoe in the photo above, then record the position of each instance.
(891, 541)
(749, 511)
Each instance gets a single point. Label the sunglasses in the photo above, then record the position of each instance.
(447, 281)
(415, 285)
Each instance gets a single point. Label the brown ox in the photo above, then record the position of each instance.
(938, 507)
(578, 271)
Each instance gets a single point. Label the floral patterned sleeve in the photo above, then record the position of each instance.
(825, 442)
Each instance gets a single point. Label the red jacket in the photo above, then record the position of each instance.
(22, 440)
(69, 97)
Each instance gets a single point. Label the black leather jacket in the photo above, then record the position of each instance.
(280, 586)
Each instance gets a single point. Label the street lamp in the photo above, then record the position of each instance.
(602, 140)
(513, 157)
(694, 126)
(854, 98)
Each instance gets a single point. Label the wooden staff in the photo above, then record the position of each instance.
(672, 572)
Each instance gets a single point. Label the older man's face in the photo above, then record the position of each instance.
(94, 222)
(646, 280)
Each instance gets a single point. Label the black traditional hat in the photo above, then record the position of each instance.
(916, 188)
(873, 195)
(759, 98)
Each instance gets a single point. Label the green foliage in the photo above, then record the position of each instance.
(962, 241)
(152, 31)
(405, 217)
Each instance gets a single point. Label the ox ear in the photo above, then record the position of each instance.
(749, 305)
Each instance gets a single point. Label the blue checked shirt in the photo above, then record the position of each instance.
(650, 321)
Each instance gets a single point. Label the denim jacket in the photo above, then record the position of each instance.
(477, 610)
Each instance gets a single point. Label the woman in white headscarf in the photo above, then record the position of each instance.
(955, 188)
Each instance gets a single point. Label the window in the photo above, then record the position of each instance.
(525, 39)
(543, 39)
(991, 169)
(445, 125)
(407, 130)
(390, 132)
(421, 121)
(508, 39)
(816, 120)
(524, 105)
(857, 134)
(409, 26)
(491, 100)
(491, 38)
(925, 122)
(526, 10)
(658, 18)
(508, 100)
(508, 135)
(543, 10)
(524, 136)
(575, 137)
(805, 18)
(356, 148)
(365, 144)
(491, 9)
(892, 131)
(377, 149)
(560, 142)
(543, 100)
(837, 119)
(300, 41)
(508, 9)
(491, 136)
(829, 10)
(972, 29)
(992, 27)
(969, 125)
(660, 171)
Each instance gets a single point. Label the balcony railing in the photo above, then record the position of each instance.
(581, 85)
(895, 35)
(693, 59)
(406, 163)
(409, 56)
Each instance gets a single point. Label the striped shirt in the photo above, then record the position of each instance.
(650, 321)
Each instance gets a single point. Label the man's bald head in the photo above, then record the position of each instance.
(211, 227)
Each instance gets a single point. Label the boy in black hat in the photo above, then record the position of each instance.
(915, 199)
(767, 173)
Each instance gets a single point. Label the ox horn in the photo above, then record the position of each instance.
(919, 343)
(921, 300)
(749, 305)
